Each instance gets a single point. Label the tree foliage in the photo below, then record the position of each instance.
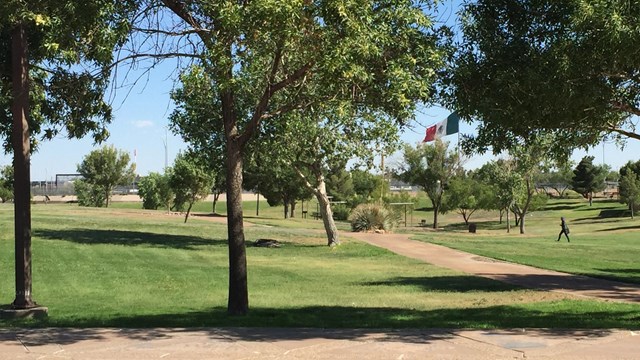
(588, 178)
(189, 181)
(102, 170)
(430, 166)
(155, 191)
(277, 182)
(466, 195)
(528, 67)
(6, 183)
(630, 191)
(259, 62)
(70, 50)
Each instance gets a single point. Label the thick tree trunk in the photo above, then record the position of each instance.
(508, 222)
(327, 215)
(522, 223)
(286, 209)
(238, 292)
(106, 197)
(292, 204)
(21, 166)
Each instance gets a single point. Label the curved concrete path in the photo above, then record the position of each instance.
(522, 275)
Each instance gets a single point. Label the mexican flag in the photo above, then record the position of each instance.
(445, 127)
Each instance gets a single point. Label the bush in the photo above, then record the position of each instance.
(89, 195)
(367, 217)
(340, 212)
(155, 191)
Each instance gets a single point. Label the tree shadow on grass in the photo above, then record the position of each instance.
(562, 206)
(448, 284)
(635, 227)
(127, 238)
(332, 322)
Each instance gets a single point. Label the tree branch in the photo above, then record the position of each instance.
(179, 8)
(629, 134)
(626, 108)
(171, 33)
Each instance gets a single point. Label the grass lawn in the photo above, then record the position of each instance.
(125, 267)
(603, 244)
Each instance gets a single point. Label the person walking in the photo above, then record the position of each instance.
(565, 230)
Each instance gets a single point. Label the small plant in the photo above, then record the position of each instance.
(368, 217)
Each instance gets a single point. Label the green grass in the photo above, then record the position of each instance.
(122, 267)
(601, 246)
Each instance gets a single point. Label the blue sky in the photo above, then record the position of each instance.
(141, 118)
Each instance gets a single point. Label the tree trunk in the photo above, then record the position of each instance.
(238, 292)
(216, 196)
(508, 222)
(323, 203)
(327, 215)
(436, 210)
(186, 216)
(522, 223)
(21, 166)
(590, 199)
(286, 209)
(501, 213)
(106, 197)
(293, 208)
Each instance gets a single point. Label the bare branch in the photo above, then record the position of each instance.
(171, 33)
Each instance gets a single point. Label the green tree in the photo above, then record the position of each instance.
(189, 181)
(88, 194)
(630, 167)
(588, 178)
(630, 190)
(262, 61)
(505, 183)
(526, 67)
(278, 183)
(104, 169)
(365, 183)
(431, 167)
(54, 68)
(466, 195)
(155, 191)
(6, 183)
(340, 185)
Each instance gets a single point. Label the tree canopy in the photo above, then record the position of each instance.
(430, 166)
(527, 67)
(261, 61)
(102, 169)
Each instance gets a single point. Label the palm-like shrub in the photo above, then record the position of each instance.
(368, 217)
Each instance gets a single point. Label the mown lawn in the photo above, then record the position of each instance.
(605, 242)
(125, 267)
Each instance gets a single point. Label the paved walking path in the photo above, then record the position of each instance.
(304, 344)
(522, 275)
(336, 344)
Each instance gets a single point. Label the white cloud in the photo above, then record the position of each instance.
(142, 123)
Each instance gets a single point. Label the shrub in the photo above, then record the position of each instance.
(89, 195)
(367, 217)
(340, 212)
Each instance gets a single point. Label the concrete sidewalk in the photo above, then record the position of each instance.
(522, 275)
(244, 343)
